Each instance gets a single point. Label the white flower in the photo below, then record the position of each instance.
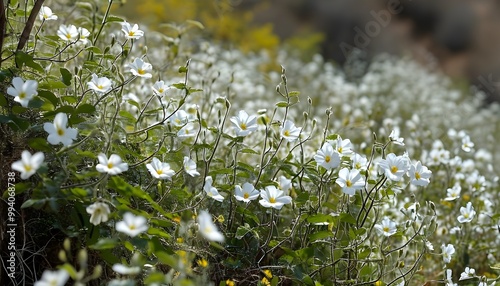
(131, 32)
(29, 164)
(46, 14)
(190, 167)
(327, 157)
(467, 145)
(453, 193)
(160, 170)
(350, 181)
(211, 190)
(244, 124)
(429, 245)
(187, 131)
(438, 156)
(394, 167)
(84, 35)
(359, 162)
(121, 282)
(247, 193)
(68, 33)
(387, 227)
(207, 228)
(112, 166)
(284, 183)
(179, 118)
(132, 225)
(99, 212)
(467, 213)
(343, 146)
(289, 132)
(449, 281)
(419, 174)
(394, 136)
(53, 278)
(22, 91)
(59, 132)
(140, 68)
(274, 198)
(468, 273)
(99, 84)
(159, 88)
(448, 251)
(126, 270)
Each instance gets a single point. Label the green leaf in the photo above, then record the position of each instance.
(18, 123)
(179, 85)
(127, 115)
(320, 219)
(40, 144)
(66, 109)
(127, 191)
(114, 19)
(18, 109)
(348, 218)
(23, 58)
(90, 65)
(195, 24)
(183, 69)
(79, 192)
(332, 137)
(158, 232)
(66, 76)
(49, 96)
(320, 235)
(105, 243)
(35, 103)
(85, 108)
(248, 151)
(167, 259)
(52, 85)
(93, 49)
(3, 100)
(30, 203)
(134, 103)
(282, 104)
(243, 230)
(69, 99)
(248, 214)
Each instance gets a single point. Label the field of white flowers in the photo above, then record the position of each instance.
(136, 158)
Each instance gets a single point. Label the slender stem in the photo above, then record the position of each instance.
(103, 22)
(29, 24)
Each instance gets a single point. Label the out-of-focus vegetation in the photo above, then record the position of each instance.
(227, 21)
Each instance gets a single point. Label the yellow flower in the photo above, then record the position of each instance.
(220, 219)
(230, 282)
(268, 273)
(202, 262)
(265, 281)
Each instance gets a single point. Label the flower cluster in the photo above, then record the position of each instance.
(147, 160)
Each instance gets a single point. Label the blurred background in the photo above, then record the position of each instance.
(459, 37)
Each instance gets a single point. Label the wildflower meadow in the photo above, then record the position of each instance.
(137, 157)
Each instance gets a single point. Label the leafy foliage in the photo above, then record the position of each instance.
(118, 220)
